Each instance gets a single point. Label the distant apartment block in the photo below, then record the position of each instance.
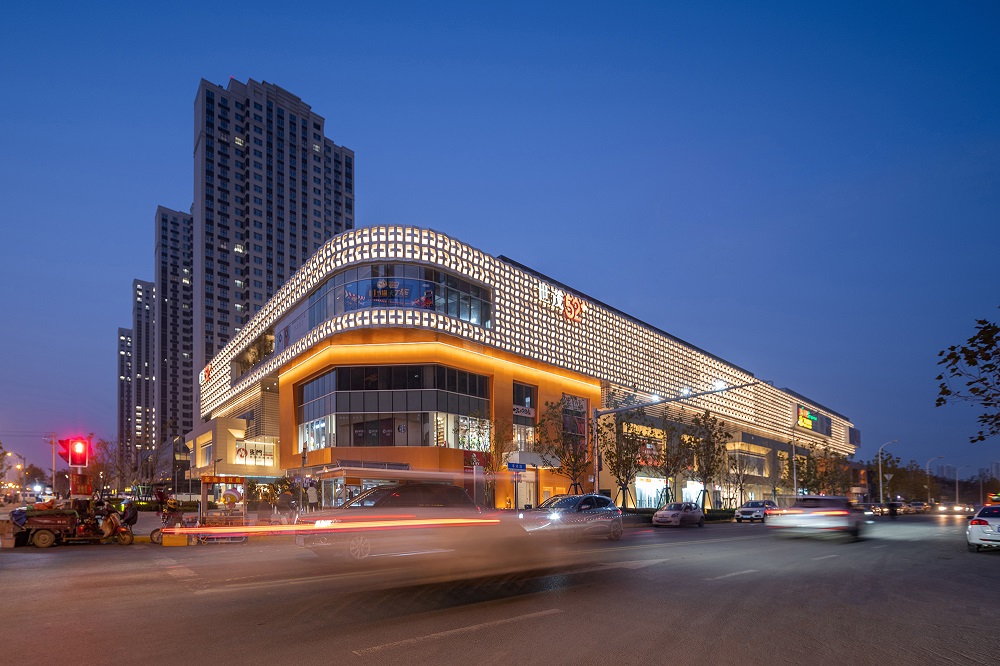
(174, 332)
(124, 433)
(143, 363)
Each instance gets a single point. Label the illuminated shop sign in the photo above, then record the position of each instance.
(524, 411)
(815, 421)
(205, 374)
(253, 453)
(572, 307)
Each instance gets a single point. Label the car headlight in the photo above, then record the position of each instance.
(323, 523)
(674, 515)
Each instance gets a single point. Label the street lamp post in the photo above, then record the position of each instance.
(717, 387)
(20, 469)
(929, 477)
(957, 470)
(881, 499)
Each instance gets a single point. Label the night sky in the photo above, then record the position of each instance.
(806, 190)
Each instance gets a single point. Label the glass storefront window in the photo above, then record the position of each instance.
(401, 286)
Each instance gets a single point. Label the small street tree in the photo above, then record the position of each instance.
(561, 440)
(622, 442)
(972, 374)
(708, 438)
(673, 455)
(776, 463)
(495, 438)
(739, 469)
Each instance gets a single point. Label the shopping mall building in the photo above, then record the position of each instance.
(383, 358)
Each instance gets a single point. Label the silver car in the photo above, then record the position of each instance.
(755, 510)
(817, 515)
(574, 516)
(678, 514)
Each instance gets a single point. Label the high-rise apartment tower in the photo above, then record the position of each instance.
(269, 189)
(174, 334)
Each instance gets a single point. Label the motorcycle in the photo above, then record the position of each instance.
(114, 529)
(167, 519)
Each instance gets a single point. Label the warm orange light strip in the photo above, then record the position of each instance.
(242, 530)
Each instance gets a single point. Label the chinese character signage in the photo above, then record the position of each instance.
(572, 307)
(254, 453)
(812, 420)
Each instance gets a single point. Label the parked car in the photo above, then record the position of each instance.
(574, 516)
(678, 514)
(817, 515)
(983, 530)
(754, 510)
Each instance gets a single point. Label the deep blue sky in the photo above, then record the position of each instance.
(808, 190)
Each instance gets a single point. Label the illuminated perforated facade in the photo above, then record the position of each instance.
(532, 317)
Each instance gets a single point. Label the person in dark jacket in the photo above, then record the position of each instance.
(131, 515)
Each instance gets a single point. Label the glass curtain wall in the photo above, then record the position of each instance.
(402, 405)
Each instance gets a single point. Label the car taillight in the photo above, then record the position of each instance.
(978, 521)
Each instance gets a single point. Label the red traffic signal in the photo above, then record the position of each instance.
(64, 449)
(75, 451)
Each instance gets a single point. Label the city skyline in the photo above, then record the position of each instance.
(813, 212)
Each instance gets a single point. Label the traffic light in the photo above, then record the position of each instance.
(79, 452)
(64, 449)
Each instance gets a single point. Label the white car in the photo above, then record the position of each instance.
(678, 514)
(755, 510)
(984, 529)
(817, 515)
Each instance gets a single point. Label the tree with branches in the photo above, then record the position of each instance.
(561, 440)
(674, 455)
(622, 443)
(739, 468)
(495, 438)
(708, 438)
(972, 374)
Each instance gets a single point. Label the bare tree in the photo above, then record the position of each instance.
(775, 471)
(561, 439)
(708, 438)
(740, 468)
(495, 438)
(673, 455)
(623, 444)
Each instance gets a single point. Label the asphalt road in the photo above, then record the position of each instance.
(909, 593)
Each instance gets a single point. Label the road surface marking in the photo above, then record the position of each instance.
(455, 632)
(882, 546)
(735, 573)
(825, 557)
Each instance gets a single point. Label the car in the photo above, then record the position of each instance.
(868, 509)
(678, 514)
(983, 530)
(573, 517)
(754, 510)
(817, 515)
(919, 507)
(953, 508)
(403, 519)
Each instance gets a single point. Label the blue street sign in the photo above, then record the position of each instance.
(517, 466)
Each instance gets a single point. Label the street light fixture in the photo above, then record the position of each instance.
(686, 393)
(929, 477)
(957, 470)
(881, 499)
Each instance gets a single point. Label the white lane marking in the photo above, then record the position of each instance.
(735, 573)
(825, 557)
(632, 564)
(455, 632)
(882, 546)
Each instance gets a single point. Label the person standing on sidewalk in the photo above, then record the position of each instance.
(313, 497)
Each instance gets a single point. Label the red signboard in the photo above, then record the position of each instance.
(210, 478)
(80, 484)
